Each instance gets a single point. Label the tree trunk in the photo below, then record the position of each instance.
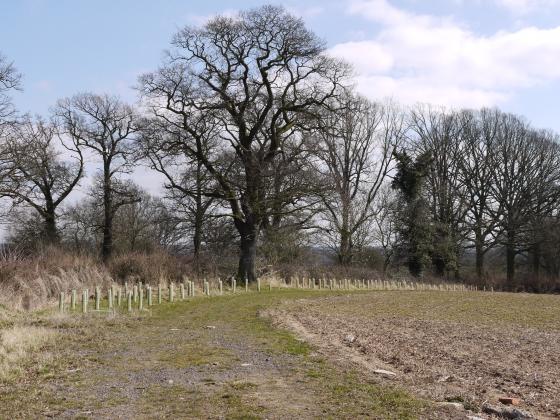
(439, 265)
(197, 240)
(386, 262)
(107, 244)
(345, 250)
(510, 257)
(248, 232)
(51, 232)
(479, 256)
(536, 260)
(49, 217)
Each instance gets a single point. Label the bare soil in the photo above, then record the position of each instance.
(471, 348)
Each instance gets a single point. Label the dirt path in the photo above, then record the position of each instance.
(206, 358)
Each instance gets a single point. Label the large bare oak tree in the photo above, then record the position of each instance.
(255, 76)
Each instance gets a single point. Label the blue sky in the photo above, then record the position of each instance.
(470, 53)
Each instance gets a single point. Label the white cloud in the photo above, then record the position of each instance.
(436, 59)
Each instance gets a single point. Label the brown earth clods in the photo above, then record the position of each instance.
(434, 355)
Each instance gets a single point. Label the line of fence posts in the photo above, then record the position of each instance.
(135, 294)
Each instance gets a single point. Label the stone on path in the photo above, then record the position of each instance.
(384, 372)
(506, 412)
(349, 339)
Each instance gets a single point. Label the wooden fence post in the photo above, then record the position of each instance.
(73, 300)
(159, 293)
(171, 292)
(85, 299)
(129, 301)
(221, 286)
(182, 291)
(97, 298)
(149, 295)
(258, 285)
(110, 297)
(141, 299)
(61, 302)
(234, 284)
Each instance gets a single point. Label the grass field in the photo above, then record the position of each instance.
(277, 354)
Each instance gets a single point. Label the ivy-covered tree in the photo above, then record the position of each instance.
(414, 224)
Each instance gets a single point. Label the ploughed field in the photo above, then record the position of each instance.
(287, 353)
(467, 347)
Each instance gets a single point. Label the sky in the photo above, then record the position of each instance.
(456, 53)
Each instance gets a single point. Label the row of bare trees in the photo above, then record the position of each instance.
(489, 181)
(258, 135)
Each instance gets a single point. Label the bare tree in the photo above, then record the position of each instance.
(188, 183)
(357, 148)
(293, 199)
(384, 229)
(83, 224)
(545, 193)
(255, 76)
(525, 182)
(42, 169)
(479, 133)
(10, 80)
(106, 126)
(146, 224)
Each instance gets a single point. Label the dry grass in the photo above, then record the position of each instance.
(32, 282)
(18, 345)
(147, 267)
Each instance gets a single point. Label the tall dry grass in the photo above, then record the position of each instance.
(30, 282)
(33, 281)
(149, 267)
